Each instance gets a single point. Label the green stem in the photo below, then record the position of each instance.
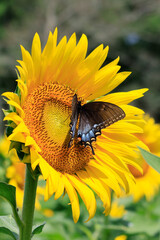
(17, 219)
(28, 204)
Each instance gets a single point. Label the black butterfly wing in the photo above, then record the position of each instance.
(74, 117)
(95, 116)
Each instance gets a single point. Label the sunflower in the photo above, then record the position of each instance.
(4, 158)
(15, 172)
(40, 114)
(117, 210)
(147, 184)
(121, 237)
(4, 146)
(16, 175)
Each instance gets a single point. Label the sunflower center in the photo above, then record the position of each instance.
(56, 119)
(47, 116)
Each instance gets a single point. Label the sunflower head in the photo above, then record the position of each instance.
(41, 111)
(148, 181)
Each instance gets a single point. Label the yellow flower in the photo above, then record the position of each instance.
(4, 157)
(121, 237)
(15, 170)
(48, 212)
(147, 184)
(4, 147)
(16, 174)
(117, 211)
(41, 116)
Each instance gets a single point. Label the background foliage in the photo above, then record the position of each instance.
(131, 29)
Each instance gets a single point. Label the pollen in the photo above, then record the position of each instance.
(47, 116)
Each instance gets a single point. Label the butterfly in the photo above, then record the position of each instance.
(93, 117)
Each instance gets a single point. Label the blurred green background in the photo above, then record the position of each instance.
(131, 28)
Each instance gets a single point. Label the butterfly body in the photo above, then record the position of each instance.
(93, 117)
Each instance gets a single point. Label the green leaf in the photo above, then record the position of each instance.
(38, 229)
(8, 232)
(9, 193)
(8, 226)
(151, 159)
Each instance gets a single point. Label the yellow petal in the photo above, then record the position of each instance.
(73, 198)
(50, 68)
(31, 142)
(51, 186)
(60, 189)
(24, 91)
(85, 193)
(118, 149)
(123, 97)
(132, 112)
(36, 55)
(76, 56)
(21, 128)
(45, 168)
(89, 66)
(50, 45)
(17, 137)
(122, 127)
(117, 80)
(17, 106)
(22, 73)
(99, 85)
(13, 117)
(35, 158)
(105, 175)
(92, 181)
(113, 63)
(12, 96)
(120, 137)
(106, 80)
(27, 59)
(111, 160)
